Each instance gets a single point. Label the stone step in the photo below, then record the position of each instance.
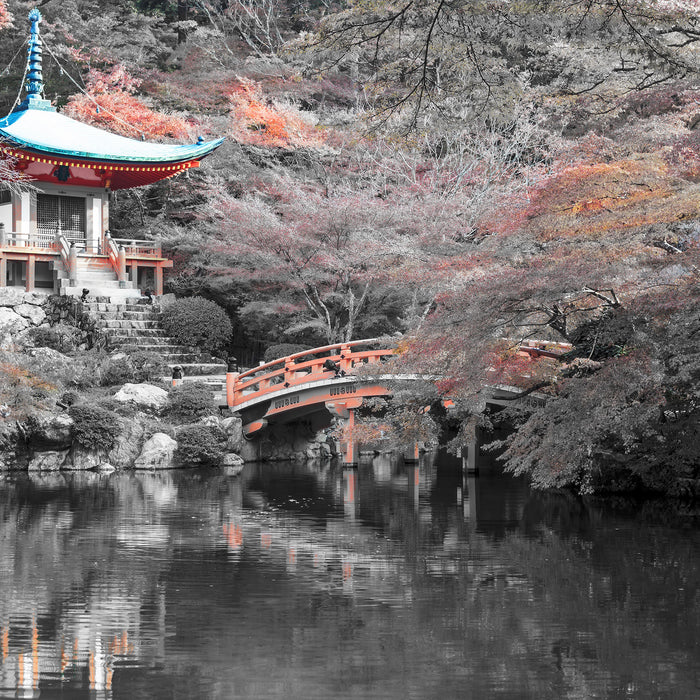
(152, 345)
(199, 368)
(137, 305)
(109, 294)
(136, 316)
(176, 358)
(132, 328)
(129, 324)
(215, 382)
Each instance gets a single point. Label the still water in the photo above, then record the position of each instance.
(390, 581)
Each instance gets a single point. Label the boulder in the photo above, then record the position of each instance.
(127, 446)
(49, 461)
(34, 314)
(12, 296)
(157, 453)
(232, 464)
(233, 427)
(52, 431)
(146, 396)
(231, 459)
(105, 468)
(11, 324)
(83, 459)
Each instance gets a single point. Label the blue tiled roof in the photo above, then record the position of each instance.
(47, 131)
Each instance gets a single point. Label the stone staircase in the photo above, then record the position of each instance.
(94, 272)
(135, 323)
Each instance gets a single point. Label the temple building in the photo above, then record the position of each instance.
(55, 234)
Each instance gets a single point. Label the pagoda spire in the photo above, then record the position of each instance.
(34, 82)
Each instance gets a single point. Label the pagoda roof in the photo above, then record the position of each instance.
(44, 131)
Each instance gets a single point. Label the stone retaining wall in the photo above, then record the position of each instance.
(19, 312)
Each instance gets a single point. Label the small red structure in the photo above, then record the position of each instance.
(56, 237)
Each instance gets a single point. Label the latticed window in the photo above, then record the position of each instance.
(60, 214)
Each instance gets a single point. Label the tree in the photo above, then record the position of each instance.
(110, 101)
(460, 58)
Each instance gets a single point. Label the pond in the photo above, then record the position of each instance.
(305, 581)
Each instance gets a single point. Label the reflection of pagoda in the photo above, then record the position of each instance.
(56, 236)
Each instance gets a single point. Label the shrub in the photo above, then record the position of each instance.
(117, 370)
(147, 366)
(191, 400)
(200, 444)
(198, 321)
(94, 427)
(60, 337)
(274, 352)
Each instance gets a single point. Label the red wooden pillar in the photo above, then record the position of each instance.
(231, 378)
(345, 363)
(31, 260)
(159, 279)
(349, 457)
(121, 274)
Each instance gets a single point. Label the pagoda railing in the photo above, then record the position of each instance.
(14, 239)
(134, 247)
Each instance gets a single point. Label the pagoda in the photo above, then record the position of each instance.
(55, 235)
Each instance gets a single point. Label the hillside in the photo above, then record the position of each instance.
(465, 174)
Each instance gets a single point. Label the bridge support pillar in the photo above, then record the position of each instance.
(349, 446)
(470, 461)
(412, 454)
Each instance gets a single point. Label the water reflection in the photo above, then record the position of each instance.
(388, 581)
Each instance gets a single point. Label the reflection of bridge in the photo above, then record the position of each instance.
(327, 379)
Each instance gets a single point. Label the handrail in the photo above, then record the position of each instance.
(18, 239)
(305, 353)
(135, 246)
(294, 370)
(117, 258)
(68, 255)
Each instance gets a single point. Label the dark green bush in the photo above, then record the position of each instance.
(132, 366)
(147, 366)
(200, 444)
(198, 321)
(117, 370)
(94, 427)
(274, 352)
(60, 337)
(191, 400)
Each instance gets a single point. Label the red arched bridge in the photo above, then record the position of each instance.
(308, 382)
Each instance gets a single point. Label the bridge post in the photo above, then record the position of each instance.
(345, 363)
(289, 371)
(470, 461)
(231, 378)
(412, 455)
(349, 446)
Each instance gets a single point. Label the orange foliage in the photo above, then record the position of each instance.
(594, 198)
(5, 16)
(265, 123)
(19, 390)
(111, 103)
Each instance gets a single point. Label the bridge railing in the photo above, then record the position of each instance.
(300, 368)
